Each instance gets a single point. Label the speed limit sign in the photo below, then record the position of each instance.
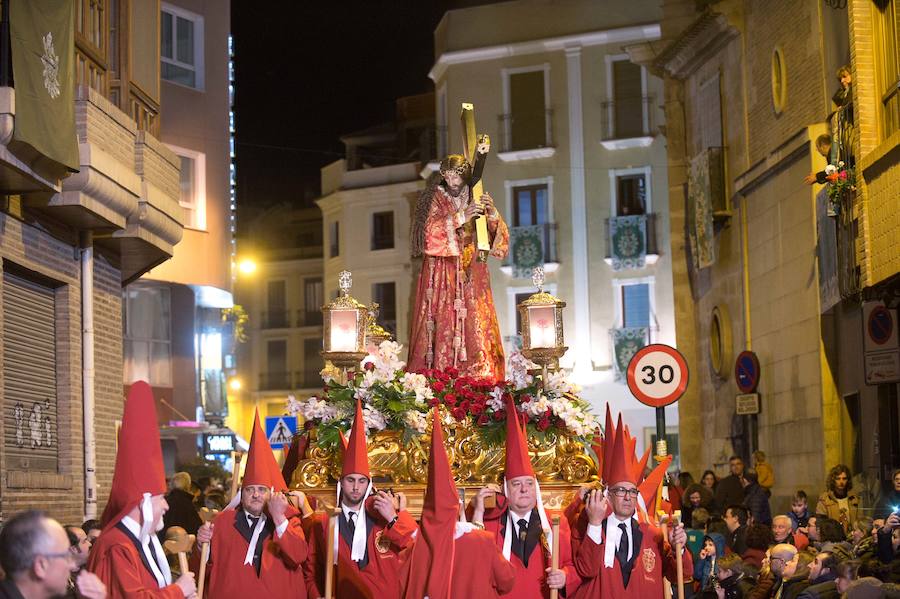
(657, 375)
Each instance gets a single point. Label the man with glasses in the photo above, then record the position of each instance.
(780, 557)
(621, 557)
(35, 555)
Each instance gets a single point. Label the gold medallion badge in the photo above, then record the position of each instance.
(382, 544)
(648, 558)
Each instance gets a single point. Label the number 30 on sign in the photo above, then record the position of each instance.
(657, 375)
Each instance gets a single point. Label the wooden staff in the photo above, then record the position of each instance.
(329, 568)
(180, 542)
(679, 548)
(663, 518)
(207, 515)
(554, 555)
(237, 457)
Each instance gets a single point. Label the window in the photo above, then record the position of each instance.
(148, 345)
(277, 375)
(887, 61)
(526, 124)
(192, 181)
(627, 99)
(631, 194)
(313, 299)
(29, 375)
(334, 239)
(382, 230)
(181, 46)
(276, 304)
(530, 205)
(636, 305)
(385, 295)
(312, 362)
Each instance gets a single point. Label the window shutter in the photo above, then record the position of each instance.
(29, 376)
(636, 305)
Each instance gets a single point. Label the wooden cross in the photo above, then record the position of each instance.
(470, 145)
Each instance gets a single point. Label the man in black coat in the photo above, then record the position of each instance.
(756, 500)
(181, 505)
(730, 490)
(822, 572)
(736, 521)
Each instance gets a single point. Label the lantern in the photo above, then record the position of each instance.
(543, 341)
(344, 328)
(375, 333)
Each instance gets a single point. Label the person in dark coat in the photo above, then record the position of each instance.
(756, 500)
(730, 490)
(733, 578)
(890, 500)
(181, 505)
(736, 517)
(822, 572)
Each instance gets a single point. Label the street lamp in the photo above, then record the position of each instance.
(247, 266)
(344, 334)
(543, 341)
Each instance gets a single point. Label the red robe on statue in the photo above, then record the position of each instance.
(280, 574)
(379, 579)
(454, 304)
(653, 561)
(531, 580)
(115, 559)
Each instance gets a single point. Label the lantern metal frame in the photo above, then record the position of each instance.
(546, 357)
(375, 333)
(345, 303)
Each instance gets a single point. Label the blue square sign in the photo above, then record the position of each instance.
(280, 430)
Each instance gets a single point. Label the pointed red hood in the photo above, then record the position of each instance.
(356, 455)
(262, 468)
(609, 438)
(622, 464)
(139, 463)
(431, 563)
(518, 462)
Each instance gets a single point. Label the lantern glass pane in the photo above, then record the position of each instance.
(542, 326)
(343, 330)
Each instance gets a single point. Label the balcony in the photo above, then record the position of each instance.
(631, 241)
(529, 247)
(526, 136)
(275, 319)
(839, 271)
(290, 381)
(309, 318)
(628, 123)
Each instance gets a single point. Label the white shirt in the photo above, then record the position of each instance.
(279, 530)
(156, 568)
(516, 517)
(347, 512)
(613, 537)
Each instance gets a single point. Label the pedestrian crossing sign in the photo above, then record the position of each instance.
(280, 430)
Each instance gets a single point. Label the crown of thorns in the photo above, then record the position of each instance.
(462, 169)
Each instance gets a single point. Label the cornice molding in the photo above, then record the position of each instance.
(696, 45)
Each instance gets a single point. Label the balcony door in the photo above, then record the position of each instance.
(530, 206)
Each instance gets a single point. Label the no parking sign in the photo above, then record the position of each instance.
(657, 375)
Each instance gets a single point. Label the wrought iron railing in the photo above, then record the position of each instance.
(289, 381)
(625, 118)
(309, 318)
(525, 131)
(275, 319)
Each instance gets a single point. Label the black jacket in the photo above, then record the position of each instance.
(182, 511)
(757, 503)
(729, 492)
(737, 586)
(8, 590)
(822, 587)
(737, 541)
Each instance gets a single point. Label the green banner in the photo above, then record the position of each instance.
(42, 41)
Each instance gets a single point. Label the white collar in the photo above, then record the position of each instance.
(347, 511)
(160, 571)
(133, 527)
(614, 535)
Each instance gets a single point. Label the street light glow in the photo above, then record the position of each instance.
(247, 266)
(234, 384)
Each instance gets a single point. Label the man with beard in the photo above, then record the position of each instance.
(822, 573)
(256, 548)
(839, 502)
(454, 322)
(127, 556)
(370, 534)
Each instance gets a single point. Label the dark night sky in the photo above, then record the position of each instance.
(307, 72)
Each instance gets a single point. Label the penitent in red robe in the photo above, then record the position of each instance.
(479, 569)
(454, 305)
(380, 579)
(653, 562)
(115, 559)
(531, 581)
(280, 575)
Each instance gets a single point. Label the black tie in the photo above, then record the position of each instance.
(622, 554)
(253, 522)
(351, 524)
(523, 531)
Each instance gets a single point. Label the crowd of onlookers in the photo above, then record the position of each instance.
(834, 547)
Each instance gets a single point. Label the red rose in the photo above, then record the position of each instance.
(500, 415)
(477, 409)
(450, 399)
(434, 401)
(437, 386)
(561, 424)
(543, 424)
(451, 372)
(464, 405)
(370, 366)
(458, 413)
(483, 419)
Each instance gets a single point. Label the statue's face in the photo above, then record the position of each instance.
(454, 181)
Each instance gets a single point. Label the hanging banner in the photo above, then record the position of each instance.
(628, 241)
(526, 249)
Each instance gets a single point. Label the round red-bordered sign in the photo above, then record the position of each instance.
(657, 375)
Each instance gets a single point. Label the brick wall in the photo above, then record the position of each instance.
(106, 127)
(61, 493)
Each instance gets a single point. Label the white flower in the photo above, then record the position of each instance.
(537, 406)
(518, 369)
(418, 384)
(558, 384)
(313, 409)
(415, 420)
(830, 169)
(293, 405)
(496, 401)
(387, 359)
(374, 419)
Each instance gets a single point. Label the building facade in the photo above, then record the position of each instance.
(90, 203)
(577, 169)
(766, 262)
(175, 336)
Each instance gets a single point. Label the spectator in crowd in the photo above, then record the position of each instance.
(37, 559)
(181, 505)
(795, 576)
(889, 539)
(822, 572)
(784, 533)
(890, 499)
(799, 513)
(861, 538)
(717, 524)
(756, 500)
(92, 529)
(710, 481)
(676, 492)
(823, 147)
(79, 544)
(764, 471)
(735, 580)
(695, 496)
(838, 501)
(730, 490)
(696, 532)
(759, 539)
(736, 521)
(779, 557)
(864, 588)
(705, 567)
(825, 533)
(847, 572)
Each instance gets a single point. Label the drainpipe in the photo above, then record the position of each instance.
(87, 374)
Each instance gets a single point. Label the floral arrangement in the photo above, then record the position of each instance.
(394, 399)
(841, 180)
